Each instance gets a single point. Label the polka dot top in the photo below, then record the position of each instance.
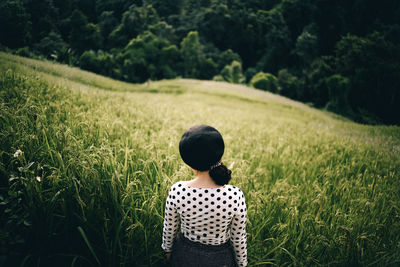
(207, 215)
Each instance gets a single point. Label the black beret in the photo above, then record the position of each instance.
(201, 147)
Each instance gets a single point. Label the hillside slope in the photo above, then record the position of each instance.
(99, 156)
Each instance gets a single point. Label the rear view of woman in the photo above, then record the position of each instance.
(211, 213)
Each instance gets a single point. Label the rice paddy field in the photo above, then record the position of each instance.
(87, 162)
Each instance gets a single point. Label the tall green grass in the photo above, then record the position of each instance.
(320, 190)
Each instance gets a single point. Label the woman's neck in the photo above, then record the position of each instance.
(202, 180)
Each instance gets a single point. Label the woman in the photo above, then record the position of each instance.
(211, 213)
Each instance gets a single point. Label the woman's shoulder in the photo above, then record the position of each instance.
(178, 185)
(234, 188)
(234, 191)
(230, 188)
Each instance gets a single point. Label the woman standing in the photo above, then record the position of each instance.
(211, 213)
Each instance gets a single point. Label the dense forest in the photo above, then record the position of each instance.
(340, 55)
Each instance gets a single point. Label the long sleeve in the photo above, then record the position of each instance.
(171, 221)
(238, 231)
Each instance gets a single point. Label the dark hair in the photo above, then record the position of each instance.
(201, 147)
(220, 174)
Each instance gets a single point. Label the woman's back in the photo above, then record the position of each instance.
(209, 216)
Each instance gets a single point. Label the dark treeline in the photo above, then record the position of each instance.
(341, 55)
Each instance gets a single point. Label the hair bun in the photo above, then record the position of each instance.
(220, 173)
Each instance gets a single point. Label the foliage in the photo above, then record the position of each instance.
(289, 84)
(215, 22)
(227, 57)
(135, 21)
(338, 93)
(15, 27)
(148, 57)
(87, 161)
(100, 62)
(107, 23)
(83, 35)
(360, 38)
(306, 47)
(24, 52)
(52, 46)
(265, 81)
(320, 69)
(276, 41)
(372, 65)
(43, 17)
(191, 54)
(231, 73)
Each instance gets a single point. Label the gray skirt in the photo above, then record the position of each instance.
(194, 254)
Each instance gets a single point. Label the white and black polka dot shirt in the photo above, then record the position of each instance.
(207, 215)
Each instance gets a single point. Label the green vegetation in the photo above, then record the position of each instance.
(231, 73)
(265, 81)
(86, 163)
(301, 42)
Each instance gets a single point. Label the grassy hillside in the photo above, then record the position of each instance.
(98, 156)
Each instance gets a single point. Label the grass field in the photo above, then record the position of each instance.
(98, 157)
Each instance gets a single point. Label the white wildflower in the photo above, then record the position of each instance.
(18, 153)
(38, 178)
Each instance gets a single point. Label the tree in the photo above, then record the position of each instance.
(276, 41)
(107, 23)
(265, 81)
(116, 6)
(135, 21)
(15, 25)
(192, 53)
(52, 46)
(338, 94)
(215, 24)
(163, 30)
(168, 7)
(43, 16)
(236, 72)
(148, 57)
(88, 61)
(372, 65)
(231, 73)
(289, 84)
(100, 62)
(83, 35)
(320, 69)
(306, 47)
(298, 14)
(207, 69)
(330, 18)
(243, 23)
(227, 57)
(170, 57)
